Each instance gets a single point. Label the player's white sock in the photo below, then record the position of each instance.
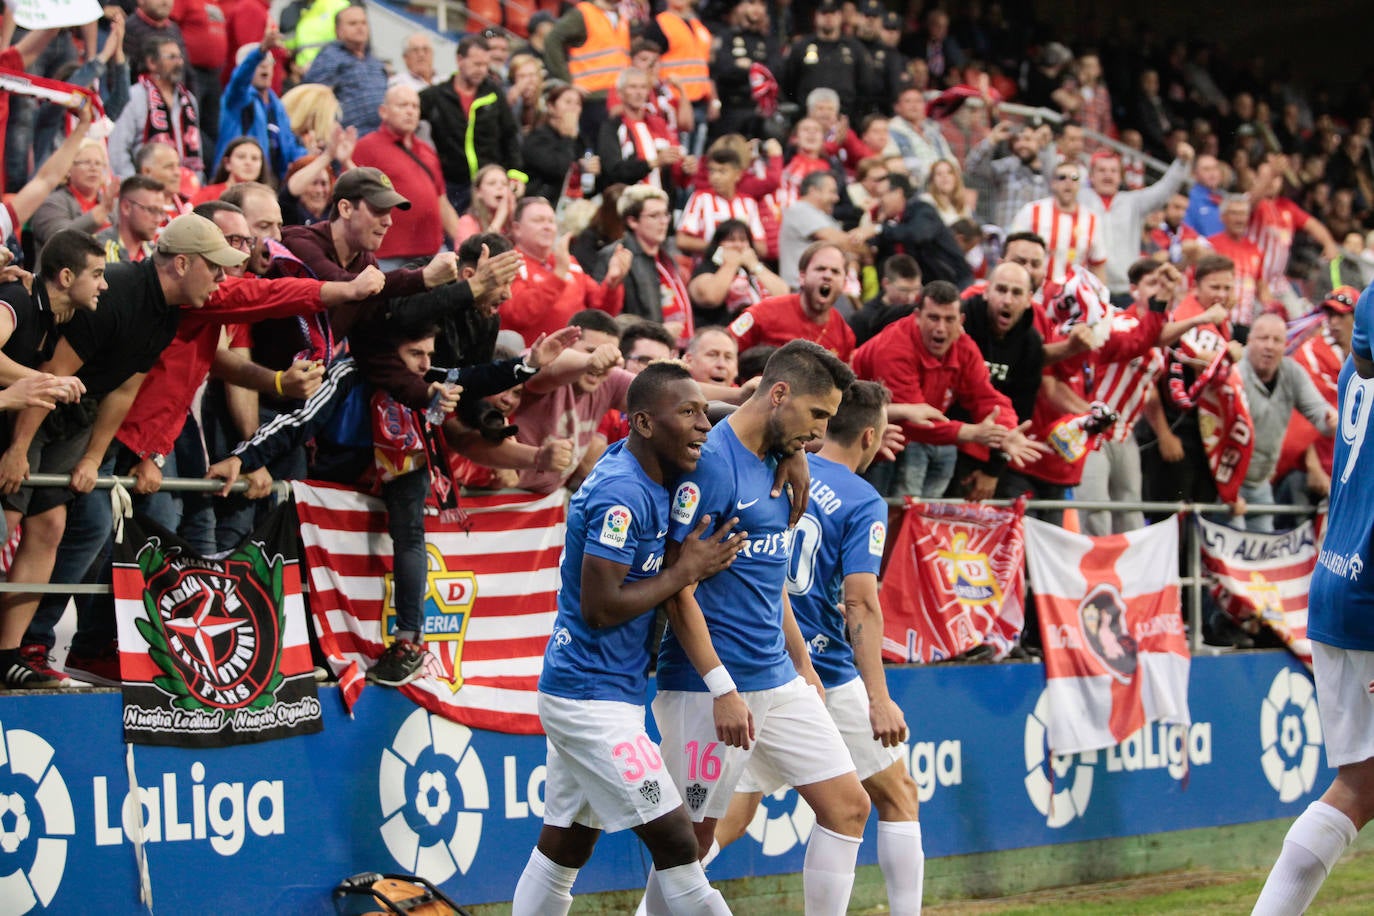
(903, 862)
(544, 888)
(710, 854)
(686, 891)
(828, 871)
(1312, 848)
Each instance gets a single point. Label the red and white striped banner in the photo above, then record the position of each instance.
(1263, 578)
(1115, 652)
(955, 581)
(489, 608)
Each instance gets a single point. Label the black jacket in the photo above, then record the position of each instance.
(493, 138)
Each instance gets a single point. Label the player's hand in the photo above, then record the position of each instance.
(147, 477)
(704, 555)
(794, 472)
(14, 470)
(1021, 449)
(734, 721)
(259, 483)
(227, 471)
(85, 474)
(303, 379)
(889, 725)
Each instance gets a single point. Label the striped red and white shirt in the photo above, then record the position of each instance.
(1125, 386)
(644, 139)
(1272, 226)
(1072, 237)
(706, 210)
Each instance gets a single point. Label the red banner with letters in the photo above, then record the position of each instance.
(955, 580)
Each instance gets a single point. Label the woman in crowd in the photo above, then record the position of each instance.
(555, 145)
(945, 191)
(84, 202)
(314, 113)
(526, 86)
(243, 160)
(730, 277)
(493, 199)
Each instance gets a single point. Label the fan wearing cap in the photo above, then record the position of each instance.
(738, 48)
(890, 74)
(109, 349)
(828, 59)
(1303, 475)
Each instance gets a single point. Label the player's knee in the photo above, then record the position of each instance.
(671, 839)
(847, 812)
(896, 798)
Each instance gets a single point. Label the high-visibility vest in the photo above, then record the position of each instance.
(598, 61)
(686, 59)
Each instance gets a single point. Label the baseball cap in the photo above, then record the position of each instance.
(892, 20)
(872, 8)
(371, 185)
(192, 234)
(1341, 300)
(828, 6)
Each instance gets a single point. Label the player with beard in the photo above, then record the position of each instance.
(604, 771)
(806, 315)
(734, 675)
(835, 564)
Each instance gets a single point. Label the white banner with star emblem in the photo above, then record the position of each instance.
(213, 651)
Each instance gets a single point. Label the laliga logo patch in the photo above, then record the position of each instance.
(616, 526)
(1290, 735)
(783, 820)
(35, 814)
(1066, 798)
(432, 789)
(742, 324)
(877, 538)
(685, 503)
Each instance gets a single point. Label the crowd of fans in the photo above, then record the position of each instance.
(265, 256)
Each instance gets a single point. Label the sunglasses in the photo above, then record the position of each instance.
(1065, 177)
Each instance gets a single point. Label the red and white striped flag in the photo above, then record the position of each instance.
(1115, 653)
(1264, 578)
(489, 608)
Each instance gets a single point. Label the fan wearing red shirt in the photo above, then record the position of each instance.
(1252, 292)
(1275, 220)
(809, 314)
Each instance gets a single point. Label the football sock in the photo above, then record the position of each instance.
(544, 888)
(828, 871)
(903, 863)
(686, 891)
(1312, 848)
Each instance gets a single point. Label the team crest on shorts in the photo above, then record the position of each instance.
(695, 796)
(649, 788)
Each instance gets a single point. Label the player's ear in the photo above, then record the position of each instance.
(642, 423)
(778, 393)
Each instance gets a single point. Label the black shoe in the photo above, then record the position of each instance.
(20, 675)
(401, 663)
(984, 652)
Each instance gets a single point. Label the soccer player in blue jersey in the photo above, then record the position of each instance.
(604, 772)
(1340, 624)
(837, 552)
(734, 676)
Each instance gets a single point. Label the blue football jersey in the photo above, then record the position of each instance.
(842, 533)
(1341, 596)
(618, 514)
(742, 604)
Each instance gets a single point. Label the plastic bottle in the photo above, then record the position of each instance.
(588, 179)
(435, 412)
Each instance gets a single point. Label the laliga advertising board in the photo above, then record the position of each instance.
(273, 827)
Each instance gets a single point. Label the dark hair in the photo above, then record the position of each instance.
(222, 173)
(405, 331)
(812, 179)
(139, 183)
(145, 152)
(1142, 269)
(860, 409)
(941, 292)
(724, 156)
(901, 267)
(966, 228)
(648, 385)
(469, 42)
(807, 368)
(67, 249)
(209, 208)
(752, 362)
(470, 251)
(152, 48)
(645, 44)
(899, 182)
(1211, 264)
(646, 330)
(525, 203)
(1024, 237)
(238, 192)
(595, 320)
(724, 230)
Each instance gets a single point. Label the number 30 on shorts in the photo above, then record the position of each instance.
(640, 757)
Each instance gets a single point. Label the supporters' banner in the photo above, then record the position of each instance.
(489, 607)
(1263, 578)
(55, 14)
(955, 581)
(213, 651)
(1115, 653)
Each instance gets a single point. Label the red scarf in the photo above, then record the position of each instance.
(158, 127)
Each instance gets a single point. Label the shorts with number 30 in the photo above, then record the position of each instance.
(603, 771)
(794, 736)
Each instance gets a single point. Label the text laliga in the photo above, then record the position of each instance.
(1158, 746)
(169, 814)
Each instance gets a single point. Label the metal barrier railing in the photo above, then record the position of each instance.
(1192, 579)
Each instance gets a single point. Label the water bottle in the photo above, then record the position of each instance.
(588, 179)
(435, 412)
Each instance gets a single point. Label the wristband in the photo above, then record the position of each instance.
(277, 382)
(719, 682)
